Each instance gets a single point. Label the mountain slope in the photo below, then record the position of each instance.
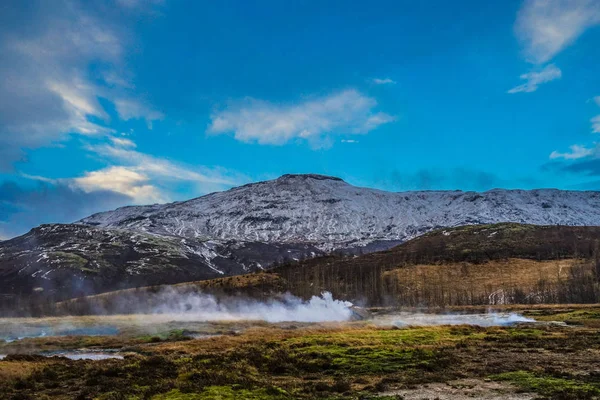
(254, 227)
(471, 265)
(332, 214)
(464, 265)
(63, 261)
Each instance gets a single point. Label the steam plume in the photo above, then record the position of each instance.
(204, 307)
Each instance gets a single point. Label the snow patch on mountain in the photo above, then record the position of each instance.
(330, 213)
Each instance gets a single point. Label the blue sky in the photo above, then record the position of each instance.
(109, 103)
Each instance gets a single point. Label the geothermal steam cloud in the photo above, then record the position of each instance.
(289, 308)
(487, 319)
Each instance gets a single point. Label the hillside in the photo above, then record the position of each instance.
(473, 265)
(62, 261)
(332, 214)
(257, 226)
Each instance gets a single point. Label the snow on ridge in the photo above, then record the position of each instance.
(325, 211)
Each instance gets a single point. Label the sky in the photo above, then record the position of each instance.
(118, 102)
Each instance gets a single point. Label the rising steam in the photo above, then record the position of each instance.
(205, 307)
(421, 319)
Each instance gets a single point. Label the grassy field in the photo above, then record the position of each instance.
(357, 360)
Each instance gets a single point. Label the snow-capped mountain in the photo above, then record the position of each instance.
(331, 213)
(253, 227)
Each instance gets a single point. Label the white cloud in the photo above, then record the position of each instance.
(122, 142)
(348, 112)
(534, 79)
(546, 27)
(50, 201)
(146, 178)
(133, 109)
(596, 124)
(576, 152)
(384, 81)
(138, 178)
(160, 167)
(596, 120)
(349, 141)
(121, 180)
(139, 3)
(46, 87)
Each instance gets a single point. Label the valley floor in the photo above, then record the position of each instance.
(186, 360)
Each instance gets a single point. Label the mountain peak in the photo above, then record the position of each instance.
(329, 213)
(308, 176)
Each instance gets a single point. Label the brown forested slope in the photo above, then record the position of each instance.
(483, 264)
(463, 265)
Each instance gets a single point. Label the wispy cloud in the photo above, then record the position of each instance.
(347, 112)
(46, 87)
(133, 109)
(121, 180)
(383, 81)
(46, 201)
(596, 120)
(596, 124)
(145, 178)
(534, 79)
(546, 27)
(576, 153)
(580, 159)
(122, 142)
(130, 177)
(139, 3)
(442, 179)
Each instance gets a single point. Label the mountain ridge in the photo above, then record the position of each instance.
(256, 226)
(326, 210)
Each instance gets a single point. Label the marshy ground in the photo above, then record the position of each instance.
(164, 359)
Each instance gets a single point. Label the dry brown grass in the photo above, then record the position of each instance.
(255, 280)
(348, 361)
(15, 370)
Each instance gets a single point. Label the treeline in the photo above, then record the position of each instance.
(370, 279)
(374, 287)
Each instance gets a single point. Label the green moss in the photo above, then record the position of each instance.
(550, 387)
(371, 352)
(173, 335)
(577, 317)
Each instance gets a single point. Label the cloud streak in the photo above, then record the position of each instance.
(442, 179)
(144, 178)
(46, 88)
(123, 180)
(25, 206)
(546, 27)
(345, 112)
(383, 81)
(534, 79)
(130, 177)
(576, 153)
